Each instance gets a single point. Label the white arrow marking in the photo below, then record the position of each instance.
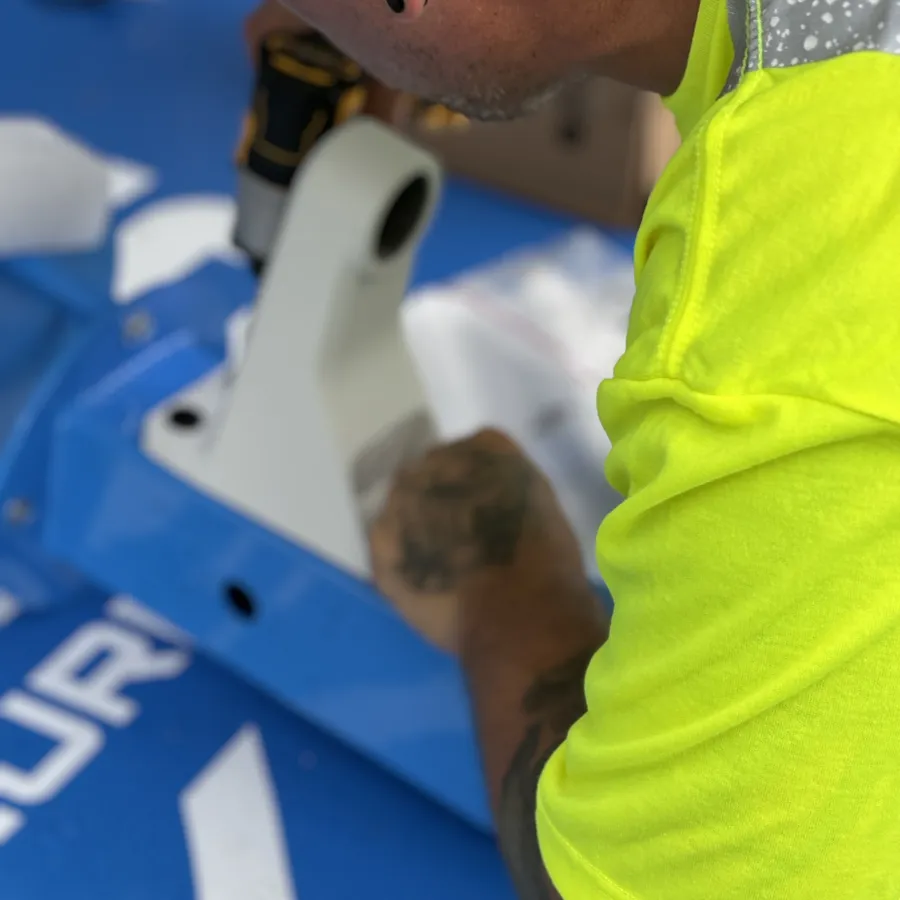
(233, 826)
(11, 822)
(166, 241)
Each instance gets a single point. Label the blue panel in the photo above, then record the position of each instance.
(35, 580)
(34, 331)
(112, 829)
(49, 354)
(40, 340)
(322, 641)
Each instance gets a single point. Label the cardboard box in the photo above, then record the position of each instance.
(594, 151)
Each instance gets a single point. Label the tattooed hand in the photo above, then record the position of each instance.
(467, 512)
(473, 550)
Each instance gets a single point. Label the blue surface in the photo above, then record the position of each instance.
(322, 641)
(111, 829)
(165, 83)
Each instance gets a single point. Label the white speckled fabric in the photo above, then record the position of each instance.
(781, 33)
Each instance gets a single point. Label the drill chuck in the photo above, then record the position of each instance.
(304, 88)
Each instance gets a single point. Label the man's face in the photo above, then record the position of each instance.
(490, 59)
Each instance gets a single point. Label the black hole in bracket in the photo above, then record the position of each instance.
(403, 217)
(185, 417)
(241, 601)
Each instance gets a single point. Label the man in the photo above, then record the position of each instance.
(741, 731)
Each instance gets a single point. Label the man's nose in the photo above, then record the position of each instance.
(410, 10)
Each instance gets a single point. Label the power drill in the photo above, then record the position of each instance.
(304, 87)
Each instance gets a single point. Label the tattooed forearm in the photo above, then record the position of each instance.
(474, 550)
(553, 703)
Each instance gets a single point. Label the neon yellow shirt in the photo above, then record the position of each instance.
(743, 734)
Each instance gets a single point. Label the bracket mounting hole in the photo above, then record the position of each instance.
(184, 417)
(240, 600)
(402, 219)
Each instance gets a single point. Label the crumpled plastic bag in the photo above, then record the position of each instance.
(521, 345)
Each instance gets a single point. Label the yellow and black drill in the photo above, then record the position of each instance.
(304, 88)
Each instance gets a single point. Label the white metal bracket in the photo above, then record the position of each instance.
(305, 426)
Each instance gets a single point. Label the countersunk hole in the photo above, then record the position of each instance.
(241, 601)
(403, 217)
(185, 417)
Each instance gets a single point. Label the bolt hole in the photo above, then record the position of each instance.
(185, 418)
(241, 601)
(403, 217)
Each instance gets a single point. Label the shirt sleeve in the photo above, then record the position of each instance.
(741, 733)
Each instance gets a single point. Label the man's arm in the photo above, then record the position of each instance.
(474, 551)
(526, 681)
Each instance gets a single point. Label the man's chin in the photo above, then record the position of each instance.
(496, 106)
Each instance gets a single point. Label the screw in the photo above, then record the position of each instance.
(138, 327)
(18, 511)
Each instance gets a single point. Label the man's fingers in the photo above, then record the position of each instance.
(495, 440)
(388, 105)
(487, 440)
(443, 461)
